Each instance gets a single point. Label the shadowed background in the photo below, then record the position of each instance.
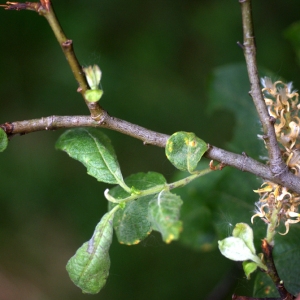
(156, 59)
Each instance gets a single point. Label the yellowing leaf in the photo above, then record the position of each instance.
(184, 150)
(164, 211)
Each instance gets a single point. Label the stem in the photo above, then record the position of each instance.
(187, 180)
(272, 271)
(271, 227)
(58, 122)
(67, 48)
(277, 165)
(156, 189)
(45, 9)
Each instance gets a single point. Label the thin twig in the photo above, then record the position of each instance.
(277, 164)
(45, 9)
(67, 48)
(59, 122)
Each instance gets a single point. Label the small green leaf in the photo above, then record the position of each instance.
(132, 222)
(92, 148)
(244, 232)
(89, 267)
(164, 213)
(249, 267)
(3, 140)
(184, 150)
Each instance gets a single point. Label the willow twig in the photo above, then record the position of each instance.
(44, 8)
(277, 164)
(239, 161)
(61, 122)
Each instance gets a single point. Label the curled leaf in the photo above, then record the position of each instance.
(89, 267)
(184, 150)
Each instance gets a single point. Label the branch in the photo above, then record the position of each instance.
(277, 164)
(241, 162)
(45, 9)
(59, 122)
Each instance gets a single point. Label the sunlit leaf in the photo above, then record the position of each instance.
(244, 232)
(92, 148)
(132, 223)
(184, 150)
(89, 267)
(235, 249)
(3, 140)
(164, 211)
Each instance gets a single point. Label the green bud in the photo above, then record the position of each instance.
(93, 95)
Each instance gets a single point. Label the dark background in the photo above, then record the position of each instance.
(156, 58)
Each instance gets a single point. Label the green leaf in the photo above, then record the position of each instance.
(89, 267)
(244, 232)
(184, 150)
(264, 286)
(92, 148)
(286, 253)
(3, 140)
(164, 213)
(292, 33)
(249, 267)
(229, 90)
(132, 223)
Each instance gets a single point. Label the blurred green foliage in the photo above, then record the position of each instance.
(156, 58)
